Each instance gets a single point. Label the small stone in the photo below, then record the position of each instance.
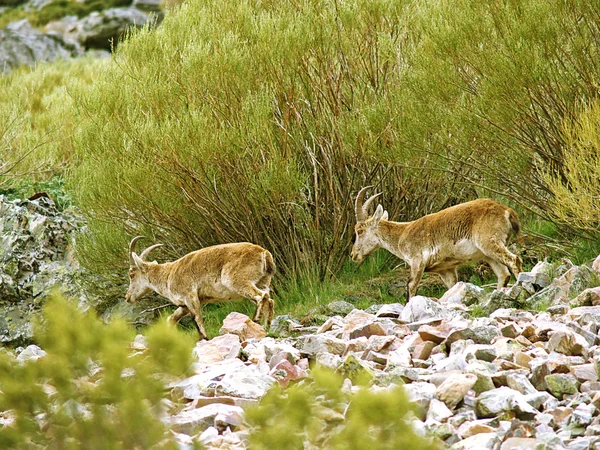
(283, 326)
(479, 335)
(523, 359)
(583, 415)
(519, 382)
(241, 325)
(317, 343)
(423, 350)
(584, 372)
(567, 343)
(217, 349)
(31, 353)
(463, 294)
(422, 308)
(355, 369)
(560, 415)
(511, 330)
(481, 441)
(539, 371)
(471, 428)
(393, 310)
(434, 334)
(504, 400)
(562, 383)
(521, 443)
(438, 411)
(340, 308)
(455, 387)
(367, 330)
(193, 421)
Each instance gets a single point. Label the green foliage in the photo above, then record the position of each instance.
(26, 187)
(249, 121)
(310, 415)
(90, 390)
(576, 189)
(37, 121)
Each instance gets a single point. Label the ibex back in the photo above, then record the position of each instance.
(478, 230)
(221, 273)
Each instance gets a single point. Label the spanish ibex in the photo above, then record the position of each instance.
(221, 273)
(473, 231)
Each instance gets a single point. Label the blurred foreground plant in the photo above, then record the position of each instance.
(91, 389)
(321, 414)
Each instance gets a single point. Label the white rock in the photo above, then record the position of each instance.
(481, 441)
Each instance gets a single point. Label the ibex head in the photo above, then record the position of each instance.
(367, 238)
(138, 267)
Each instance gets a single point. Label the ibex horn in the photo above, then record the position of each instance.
(148, 250)
(362, 209)
(132, 248)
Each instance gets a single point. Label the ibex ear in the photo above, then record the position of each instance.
(138, 262)
(380, 214)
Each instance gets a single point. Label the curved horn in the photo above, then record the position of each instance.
(358, 205)
(132, 248)
(148, 250)
(367, 204)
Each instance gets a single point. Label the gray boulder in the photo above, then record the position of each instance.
(22, 45)
(421, 308)
(104, 29)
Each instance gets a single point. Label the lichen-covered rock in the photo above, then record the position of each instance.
(340, 308)
(463, 293)
(35, 257)
(504, 400)
(561, 383)
(284, 326)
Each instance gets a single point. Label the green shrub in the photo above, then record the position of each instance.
(319, 414)
(251, 121)
(90, 390)
(37, 121)
(576, 190)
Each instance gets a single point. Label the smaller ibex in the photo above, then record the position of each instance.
(473, 231)
(221, 273)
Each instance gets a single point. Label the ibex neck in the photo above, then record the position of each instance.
(390, 235)
(158, 277)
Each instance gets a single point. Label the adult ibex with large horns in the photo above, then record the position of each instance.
(473, 231)
(221, 273)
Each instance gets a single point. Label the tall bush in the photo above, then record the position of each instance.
(253, 121)
(577, 191)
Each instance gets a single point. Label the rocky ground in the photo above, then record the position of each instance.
(508, 369)
(71, 36)
(518, 379)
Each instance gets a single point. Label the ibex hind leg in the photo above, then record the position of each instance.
(179, 314)
(268, 310)
(250, 291)
(496, 251)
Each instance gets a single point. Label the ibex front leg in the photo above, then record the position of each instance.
(194, 305)
(416, 273)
